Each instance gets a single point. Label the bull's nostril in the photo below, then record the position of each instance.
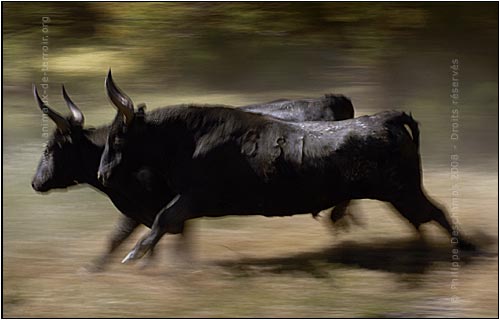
(36, 187)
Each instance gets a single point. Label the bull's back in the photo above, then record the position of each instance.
(328, 108)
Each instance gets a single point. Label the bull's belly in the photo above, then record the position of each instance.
(259, 208)
(231, 192)
(267, 201)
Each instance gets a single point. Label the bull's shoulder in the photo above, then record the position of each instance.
(225, 126)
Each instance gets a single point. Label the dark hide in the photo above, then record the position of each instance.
(195, 147)
(72, 157)
(223, 161)
(329, 108)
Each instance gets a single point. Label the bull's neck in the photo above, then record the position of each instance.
(91, 150)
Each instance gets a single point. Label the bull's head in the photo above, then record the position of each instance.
(61, 156)
(123, 132)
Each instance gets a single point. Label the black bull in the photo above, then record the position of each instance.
(73, 153)
(222, 161)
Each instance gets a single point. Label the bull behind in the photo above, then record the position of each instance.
(221, 161)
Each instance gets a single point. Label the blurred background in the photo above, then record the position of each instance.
(381, 55)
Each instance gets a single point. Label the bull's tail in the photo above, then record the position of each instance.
(405, 119)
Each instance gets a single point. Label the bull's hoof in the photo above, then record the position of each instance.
(91, 268)
(466, 245)
(97, 265)
(130, 257)
(135, 254)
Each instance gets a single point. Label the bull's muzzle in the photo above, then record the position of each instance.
(38, 187)
(103, 177)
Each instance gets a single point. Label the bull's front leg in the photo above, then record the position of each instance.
(123, 229)
(169, 220)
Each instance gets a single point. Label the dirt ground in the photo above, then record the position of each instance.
(255, 266)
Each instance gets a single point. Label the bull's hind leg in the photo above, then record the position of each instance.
(170, 219)
(339, 211)
(418, 209)
(342, 218)
(456, 235)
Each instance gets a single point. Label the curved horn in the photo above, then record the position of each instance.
(121, 101)
(75, 111)
(59, 120)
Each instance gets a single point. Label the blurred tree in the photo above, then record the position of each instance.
(193, 43)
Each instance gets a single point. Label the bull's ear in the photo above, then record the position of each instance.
(62, 124)
(119, 99)
(141, 110)
(76, 113)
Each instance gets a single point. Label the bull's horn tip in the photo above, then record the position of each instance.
(35, 91)
(109, 78)
(65, 93)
